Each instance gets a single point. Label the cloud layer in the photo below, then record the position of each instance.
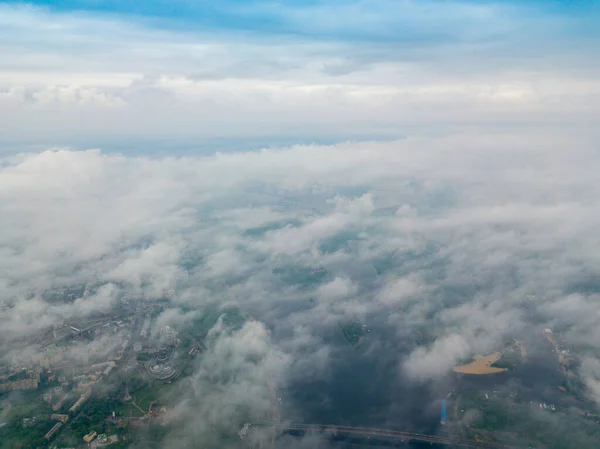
(380, 69)
(467, 216)
(478, 234)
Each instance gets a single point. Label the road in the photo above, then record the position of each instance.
(386, 433)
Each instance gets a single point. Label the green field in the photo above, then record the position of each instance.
(160, 393)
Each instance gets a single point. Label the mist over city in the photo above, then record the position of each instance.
(302, 224)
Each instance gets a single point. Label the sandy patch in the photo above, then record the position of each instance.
(481, 365)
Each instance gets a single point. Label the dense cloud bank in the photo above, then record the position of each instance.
(382, 68)
(454, 243)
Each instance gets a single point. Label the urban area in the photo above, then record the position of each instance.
(92, 382)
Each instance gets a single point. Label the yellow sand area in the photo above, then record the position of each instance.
(481, 365)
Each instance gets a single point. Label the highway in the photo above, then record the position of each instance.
(385, 433)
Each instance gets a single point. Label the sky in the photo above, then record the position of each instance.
(189, 72)
(437, 158)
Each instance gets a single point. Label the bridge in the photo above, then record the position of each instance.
(364, 432)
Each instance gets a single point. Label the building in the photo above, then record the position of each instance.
(82, 386)
(30, 383)
(102, 369)
(163, 372)
(90, 437)
(62, 418)
(145, 328)
(82, 400)
(168, 335)
(103, 440)
(53, 430)
(60, 402)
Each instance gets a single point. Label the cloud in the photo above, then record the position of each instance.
(234, 383)
(115, 76)
(470, 217)
(339, 288)
(396, 291)
(438, 359)
(291, 240)
(126, 230)
(443, 246)
(590, 371)
(74, 96)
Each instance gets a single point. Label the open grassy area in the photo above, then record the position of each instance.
(158, 393)
(155, 393)
(129, 410)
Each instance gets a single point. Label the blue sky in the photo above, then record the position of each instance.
(338, 19)
(115, 71)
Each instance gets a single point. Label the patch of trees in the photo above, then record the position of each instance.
(94, 416)
(16, 435)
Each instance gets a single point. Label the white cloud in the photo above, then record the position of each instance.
(590, 372)
(396, 291)
(73, 96)
(339, 288)
(437, 360)
(448, 227)
(116, 78)
(235, 383)
(291, 240)
(474, 235)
